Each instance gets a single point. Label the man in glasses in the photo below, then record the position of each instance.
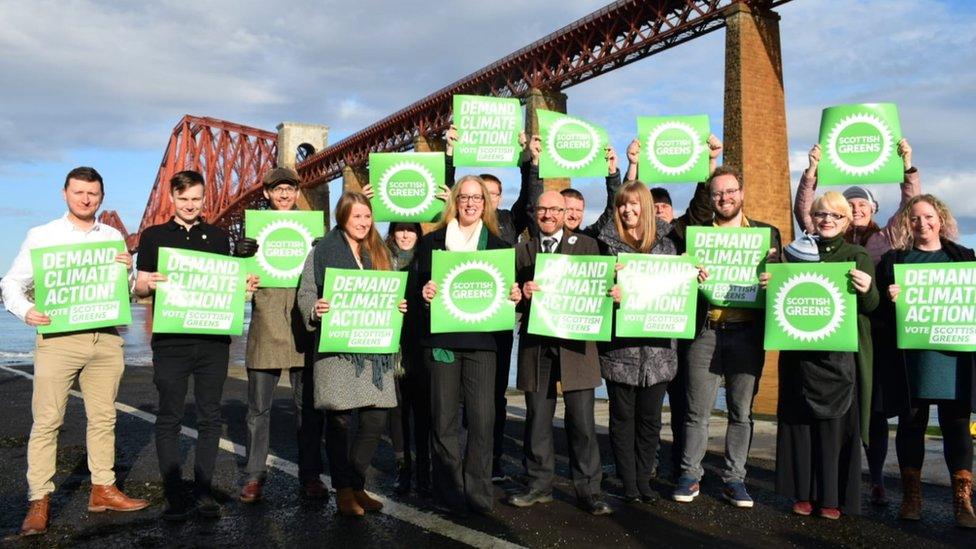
(545, 361)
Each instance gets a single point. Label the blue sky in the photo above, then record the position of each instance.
(103, 84)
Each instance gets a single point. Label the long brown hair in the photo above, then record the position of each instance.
(378, 253)
(903, 239)
(487, 214)
(648, 223)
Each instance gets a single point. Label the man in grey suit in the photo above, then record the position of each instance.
(544, 361)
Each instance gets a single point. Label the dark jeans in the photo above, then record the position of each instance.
(350, 456)
(413, 409)
(469, 379)
(206, 362)
(503, 368)
(678, 402)
(957, 442)
(310, 423)
(635, 432)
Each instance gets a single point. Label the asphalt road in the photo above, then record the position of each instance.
(286, 520)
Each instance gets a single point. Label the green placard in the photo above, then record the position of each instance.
(733, 257)
(859, 145)
(488, 129)
(81, 286)
(571, 147)
(472, 291)
(363, 315)
(936, 308)
(284, 240)
(573, 299)
(674, 149)
(810, 306)
(203, 293)
(405, 186)
(659, 296)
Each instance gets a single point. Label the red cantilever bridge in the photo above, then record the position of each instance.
(233, 157)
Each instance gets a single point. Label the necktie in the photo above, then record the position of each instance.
(548, 245)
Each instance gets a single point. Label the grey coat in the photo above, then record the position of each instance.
(641, 362)
(578, 361)
(277, 338)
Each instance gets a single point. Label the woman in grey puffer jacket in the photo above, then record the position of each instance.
(636, 370)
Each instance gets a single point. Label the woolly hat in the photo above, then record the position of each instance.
(803, 250)
(860, 192)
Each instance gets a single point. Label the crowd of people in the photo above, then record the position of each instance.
(830, 403)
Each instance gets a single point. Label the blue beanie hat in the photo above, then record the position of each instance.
(803, 250)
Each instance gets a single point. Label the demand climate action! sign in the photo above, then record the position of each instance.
(571, 147)
(472, 291)
(936, 308)
(733, 257)
(81, 286)
(405, 186)
(658, 296)
(810, 306)
(572, 301)
(859, 145)
(203, 293)
(284, 240)
(674, 149)
(488, 129)
(363, 316)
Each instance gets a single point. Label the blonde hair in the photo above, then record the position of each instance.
(379, 255)
(833, 201)
(487, 213)
(903, 239)
(647, 221)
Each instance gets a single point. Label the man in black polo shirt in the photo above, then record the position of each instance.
(176, 356)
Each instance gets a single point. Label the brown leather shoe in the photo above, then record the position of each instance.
(962, 498)
(37, 517)
(347, 503)
(251, 492)
(109, 498)
(315, 489)
(366, 502)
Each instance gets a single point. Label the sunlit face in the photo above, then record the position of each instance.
(494, 193)
(188, 203)
(574, 212)
(863, 211)
(282, 196)
(550, 212)
(470, 203)
(925, 222)
(726, 196)
(83, 198)
(829, 223)
(664, 211)
(359, 222)
(630, 212)
(404, 237)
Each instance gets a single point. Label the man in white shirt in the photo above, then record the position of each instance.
(92, 357)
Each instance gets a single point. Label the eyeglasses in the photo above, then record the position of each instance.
(283, 189)
(472, 198)
(574, 210)
(542, 210)
(719, 195)
(832, 215)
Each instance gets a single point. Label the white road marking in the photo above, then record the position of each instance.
(395, 509)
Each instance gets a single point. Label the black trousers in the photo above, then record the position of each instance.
(350, 455)
(503, 367)
(635, 433)
(173, 366)
(413, 410)
(584, 451)
(469, 379)
(957, 442)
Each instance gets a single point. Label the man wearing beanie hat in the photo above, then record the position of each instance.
(277, 342)
(662, 204)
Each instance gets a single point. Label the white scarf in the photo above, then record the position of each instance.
(456, 241)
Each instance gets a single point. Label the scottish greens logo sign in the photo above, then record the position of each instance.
(936, 308)
(405, 186)
(571, 147)
(203, 293)
(81, 286)
(363, 312)
(810, 307)
(572, 301)
(284, 240)
(733, 258)
(488, 129)
(658, 296)
(674, 148)
(858, 144)
(472, 291)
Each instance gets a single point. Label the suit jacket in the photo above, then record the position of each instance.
(578, 360)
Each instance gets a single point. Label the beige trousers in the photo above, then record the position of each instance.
(94, 359)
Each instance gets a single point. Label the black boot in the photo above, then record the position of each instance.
(402, 478)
